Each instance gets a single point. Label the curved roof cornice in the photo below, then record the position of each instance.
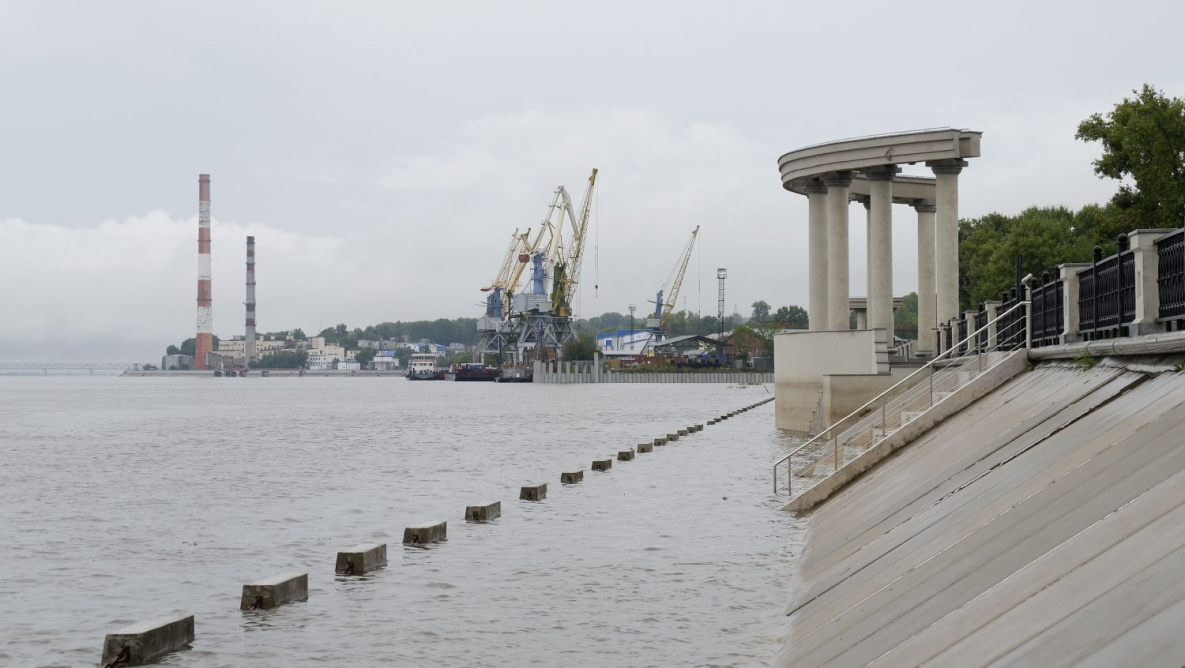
(861, 153)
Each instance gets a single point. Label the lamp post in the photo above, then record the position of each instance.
(632, 307)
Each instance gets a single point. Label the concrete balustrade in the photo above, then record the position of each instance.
(536, 492)
(361, 559)
(485, 512)
(147, 642)
(425, 533)
(275, 591)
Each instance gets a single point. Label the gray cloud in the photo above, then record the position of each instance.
(383, 152)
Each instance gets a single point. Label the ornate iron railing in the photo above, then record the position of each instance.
(1170, 282)
(1107, 293)
(1048, 312)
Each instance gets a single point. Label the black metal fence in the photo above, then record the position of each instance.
(981, 321)
(1010, 328)
(1170, 281)
(1048, 312)
(1107, 294)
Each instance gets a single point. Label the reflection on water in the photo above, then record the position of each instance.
(126, 499)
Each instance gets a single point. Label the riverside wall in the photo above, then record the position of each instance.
(569, 373)
(1043, 524)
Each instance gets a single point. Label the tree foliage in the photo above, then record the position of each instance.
(364, 356)
(905, 320)
(790, 317)
(1143, 139)
(760, 311)
(580, 347)
(282, 359)
(1042, 237)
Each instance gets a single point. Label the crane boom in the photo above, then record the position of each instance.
(673, 294)
(568, 275)
(499, 281)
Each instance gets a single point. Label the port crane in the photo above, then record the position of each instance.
(534, 320)
(662, 310)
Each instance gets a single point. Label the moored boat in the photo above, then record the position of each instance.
(422, 366)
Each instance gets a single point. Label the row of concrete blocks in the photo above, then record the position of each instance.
(149, 641)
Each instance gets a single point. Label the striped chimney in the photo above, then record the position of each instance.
(205, 311)
(249, 345)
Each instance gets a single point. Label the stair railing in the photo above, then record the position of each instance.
(868, 424)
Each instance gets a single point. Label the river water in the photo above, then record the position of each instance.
(124, 499)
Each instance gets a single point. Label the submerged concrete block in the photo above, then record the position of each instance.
(602, 464)
(645, 447)
(533, 492)
(625, 456)
(570, 477)
(275, 591)
(428, 532)
(361, 559)
(698, 427)
(484, 512)
(683, 432)
(671, 438)
(661, 440)
(148, 641)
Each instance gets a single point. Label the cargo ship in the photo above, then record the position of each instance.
(472, 372)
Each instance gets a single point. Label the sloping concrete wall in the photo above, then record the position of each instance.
(1042, 525)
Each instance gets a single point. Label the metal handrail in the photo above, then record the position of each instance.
(880, 397)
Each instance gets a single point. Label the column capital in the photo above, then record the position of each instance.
(925, 206)
(949, 166)
(815, 187)
(881, 173)
(837, 179)
(863, 199)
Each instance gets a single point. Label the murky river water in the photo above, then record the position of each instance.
(125, 499)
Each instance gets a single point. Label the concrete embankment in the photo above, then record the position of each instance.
(1042, 525)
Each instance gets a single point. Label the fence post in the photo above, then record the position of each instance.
(1147, 270)
(1071, 287)
(993, 332)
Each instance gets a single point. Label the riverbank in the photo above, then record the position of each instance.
(1041, 525)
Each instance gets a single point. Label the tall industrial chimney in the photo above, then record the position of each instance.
(249, 345)
(205, 311)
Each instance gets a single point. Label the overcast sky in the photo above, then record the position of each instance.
(383, 152)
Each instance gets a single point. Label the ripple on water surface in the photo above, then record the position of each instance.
(125, 499)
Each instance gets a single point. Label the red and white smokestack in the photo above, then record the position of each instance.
(205, 311)
(249, 345)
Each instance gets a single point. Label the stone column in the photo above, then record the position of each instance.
(927, 315)
(946, 236)
(1070, 293)
(866, 202)
(880, 249)
(816, 194)
(993, 333)
(1147, 270)
(838, 188)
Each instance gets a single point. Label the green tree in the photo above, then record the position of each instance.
(172, 350)
(1042, 237)
(364, 357)
(282, 359)
(791, 317)
(1143, 139)
(905, 320)
(760, 311)
(298, 334)
(580, 347)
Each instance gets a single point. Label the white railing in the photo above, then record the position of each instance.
(856, 433)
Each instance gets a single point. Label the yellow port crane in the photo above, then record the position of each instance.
(662, 310)
(516, 241)
(566, 274)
